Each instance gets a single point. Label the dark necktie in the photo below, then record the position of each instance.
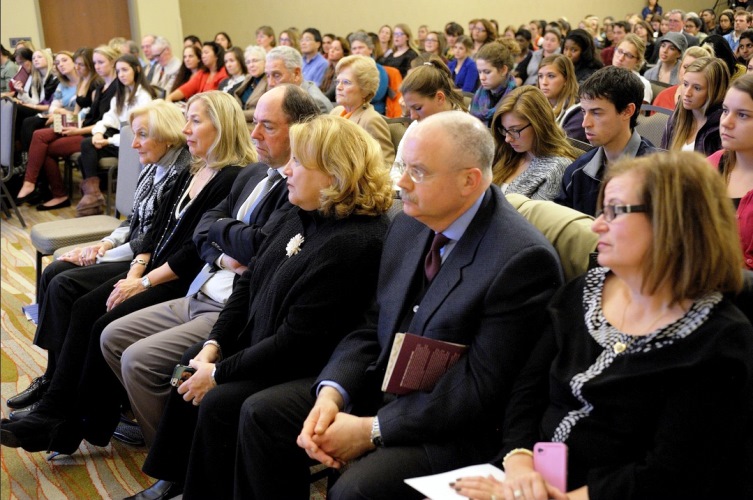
(272, 176)
(433, 259)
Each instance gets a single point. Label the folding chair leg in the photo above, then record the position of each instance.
(6, 194)
(39, 269)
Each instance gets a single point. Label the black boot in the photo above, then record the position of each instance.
(158, 491)
(40, 431)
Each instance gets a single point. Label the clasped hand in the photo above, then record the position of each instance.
(333, 437)
(86, 256)
(196, 387)
(526, 486)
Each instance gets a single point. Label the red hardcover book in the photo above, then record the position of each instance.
(417, 363)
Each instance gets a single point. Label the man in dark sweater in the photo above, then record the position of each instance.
(610, 99)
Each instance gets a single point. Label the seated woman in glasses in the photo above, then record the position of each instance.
(647, 373)
(629, 55)
(532, 151)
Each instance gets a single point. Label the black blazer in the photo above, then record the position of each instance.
(491, 294)
(220, 232)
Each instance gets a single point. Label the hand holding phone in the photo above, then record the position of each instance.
(550, 460)
(181, 373)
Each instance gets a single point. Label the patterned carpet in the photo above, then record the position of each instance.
(92, 472)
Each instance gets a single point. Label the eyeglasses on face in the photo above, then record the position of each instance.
(625, 54)
(514, 133)
(417, 175)
(611, 211)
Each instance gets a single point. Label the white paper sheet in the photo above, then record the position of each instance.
(437, 486)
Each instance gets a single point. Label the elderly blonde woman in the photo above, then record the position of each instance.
(287, 314)
(255, 84)
(84, 396)
(356, 84)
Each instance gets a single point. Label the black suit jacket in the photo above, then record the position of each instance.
(490, 293)
(220, 232)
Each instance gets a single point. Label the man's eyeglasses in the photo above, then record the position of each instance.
(611, 211)
(514, 133)
(416, 175)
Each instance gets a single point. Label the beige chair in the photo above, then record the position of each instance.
(582, 147)
(49, 237)
(568, 230)
(397, 127)
(652, 127)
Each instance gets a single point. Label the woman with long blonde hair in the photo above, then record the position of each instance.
(694, 126)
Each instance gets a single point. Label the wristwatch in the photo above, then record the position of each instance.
(145, 282)
(376, 433)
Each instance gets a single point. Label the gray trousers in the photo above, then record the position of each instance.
(143, 348)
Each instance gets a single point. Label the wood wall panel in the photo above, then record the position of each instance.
(72, 24)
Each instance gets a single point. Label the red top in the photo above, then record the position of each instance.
(744, 216)
(666, 98)
(200, 82)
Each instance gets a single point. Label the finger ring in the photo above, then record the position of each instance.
(517, 493)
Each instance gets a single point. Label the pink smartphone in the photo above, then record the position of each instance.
(550, 460)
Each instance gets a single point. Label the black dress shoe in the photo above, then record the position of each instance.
(32, 198)
(128, 432)
(62, 204)
(161, 490)
(17, 415)
(31, 394)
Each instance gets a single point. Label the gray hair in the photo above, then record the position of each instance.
(288, 55)
(133, 47)
(255, 50)
(678, 11)
(297, 105)
(471, 140)
(160, 43)
(363, 37)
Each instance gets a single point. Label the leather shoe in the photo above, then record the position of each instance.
(128, 432)
(31, 394)
(161, 490)
(17, 415)
(32, 198)
(62, 204)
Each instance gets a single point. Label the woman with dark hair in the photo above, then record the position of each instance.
(209, 78)
(653, 8)
(463, 66)
(522, 60)
(8, 69)
(191, 65)
(579, 48)
(131, 91)
(726, 23)
(235, 65)
(338, 49)
(551, 45)
(452, 31)
(224, 40)
(720, 48)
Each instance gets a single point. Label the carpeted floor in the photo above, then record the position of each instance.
(92, 472)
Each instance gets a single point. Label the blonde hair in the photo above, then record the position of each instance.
(695, 247)
(351, 157)
(109, 52)
(569, 94)
(717, 82)
(408, 34)
(365, 72)
(640, 47)
(233, 145)
(431, 77)
(549, 140)
(165, 121)
(37, 79)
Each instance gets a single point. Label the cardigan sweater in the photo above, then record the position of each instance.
(707, 139)
(664, 418)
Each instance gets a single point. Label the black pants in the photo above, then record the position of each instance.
(90, 157)
(83, 389)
